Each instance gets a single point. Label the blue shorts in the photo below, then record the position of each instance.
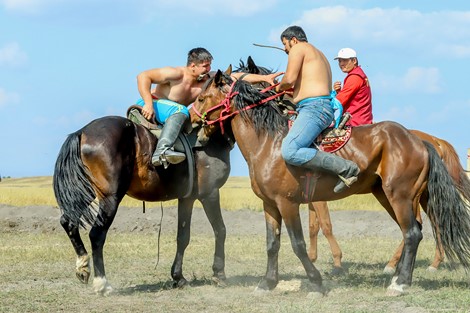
(164, 108)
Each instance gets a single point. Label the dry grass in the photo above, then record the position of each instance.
(235, 194)
(38, 276)
(37, 269)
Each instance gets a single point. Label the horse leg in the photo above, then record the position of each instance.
(82, 269)
(439, 254)
(390, 268)
(273, 243)
(211, 205)
(97, 235)
(438, 257)
(327, 230)
(392, 263)
(185, 211)
(313, 229)
(403, 211)
(291, 217)
(412, 236)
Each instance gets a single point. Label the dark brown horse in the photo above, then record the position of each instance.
(319, 217)
(109, 158)
(398, 168)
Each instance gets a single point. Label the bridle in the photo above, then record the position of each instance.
(225, 112)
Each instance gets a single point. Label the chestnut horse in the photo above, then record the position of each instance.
(398, 168)
(319, 217)
(109, 158)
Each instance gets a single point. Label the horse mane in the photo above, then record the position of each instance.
(265, 118)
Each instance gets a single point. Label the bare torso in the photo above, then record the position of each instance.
(314, 78)
(183, 91)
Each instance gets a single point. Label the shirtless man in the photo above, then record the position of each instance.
(176, 88)
(309, 74)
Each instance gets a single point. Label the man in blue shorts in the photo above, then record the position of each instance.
(309, 74)
(176, 88)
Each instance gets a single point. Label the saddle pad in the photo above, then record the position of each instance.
(333, 139)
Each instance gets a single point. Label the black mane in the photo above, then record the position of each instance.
(265, 117)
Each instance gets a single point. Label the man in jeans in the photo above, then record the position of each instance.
(309, 74)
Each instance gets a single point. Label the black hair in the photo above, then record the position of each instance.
(199, 55)
(294, 31)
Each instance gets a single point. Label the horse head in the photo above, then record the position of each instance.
(213, 104)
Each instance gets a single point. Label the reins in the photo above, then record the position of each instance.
(225, 104)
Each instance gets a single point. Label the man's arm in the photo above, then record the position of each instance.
(257, 78)
(349, 90)
(294, 65)
(145, 80)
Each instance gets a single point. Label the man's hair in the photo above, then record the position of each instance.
(198, 55)
(294, 31)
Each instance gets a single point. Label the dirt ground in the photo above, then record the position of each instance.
(45, 219)
(346, 224)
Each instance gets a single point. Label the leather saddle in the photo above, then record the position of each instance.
(182, 143)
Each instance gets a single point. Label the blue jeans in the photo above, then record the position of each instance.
(314, 115)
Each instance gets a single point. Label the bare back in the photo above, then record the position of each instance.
(315, 72)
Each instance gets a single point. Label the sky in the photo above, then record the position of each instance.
(64, 63)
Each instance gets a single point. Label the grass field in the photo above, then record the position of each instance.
(38, 276)
(37, 269)
(235, 194)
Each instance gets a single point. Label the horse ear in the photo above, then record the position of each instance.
(219, 78)
(228, 71)
(252, 68)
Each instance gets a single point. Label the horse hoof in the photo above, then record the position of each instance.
(395, 289)
(180, 283)
(102, 287)
(219, 282)
(431, 269)
(83, 277)
(389, 270)
(338, 271)
(82, 268)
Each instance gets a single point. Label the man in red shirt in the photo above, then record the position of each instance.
(355, 96)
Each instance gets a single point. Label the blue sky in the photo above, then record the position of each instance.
(64, 63)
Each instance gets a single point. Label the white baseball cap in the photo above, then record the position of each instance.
(346, 53)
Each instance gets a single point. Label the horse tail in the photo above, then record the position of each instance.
(73, 188)
(452, 162)
(448, 212)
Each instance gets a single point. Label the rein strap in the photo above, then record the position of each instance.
(225, 103)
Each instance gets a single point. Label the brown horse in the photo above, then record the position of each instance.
(319, 217)
(396, 167)
(109, 158)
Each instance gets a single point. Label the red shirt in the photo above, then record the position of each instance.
(356, 97)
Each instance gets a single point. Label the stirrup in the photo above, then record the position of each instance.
(174, 158)
(345, 182)
(348, 181)
(168, 157)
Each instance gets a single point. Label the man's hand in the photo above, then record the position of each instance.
(337, 86)
(148, 112)
(271, 78)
